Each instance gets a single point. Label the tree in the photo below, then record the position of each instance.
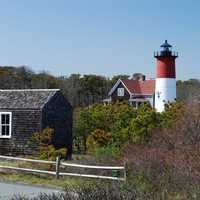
(138, 76)
(145, 122)
(44, 80)
(71, 87)
(82, 127)
(117, 77)
(188, 90)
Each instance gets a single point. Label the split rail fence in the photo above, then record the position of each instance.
(58, 163)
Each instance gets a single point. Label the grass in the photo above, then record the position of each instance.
(39, 179)
(142, 191)
(43, 180)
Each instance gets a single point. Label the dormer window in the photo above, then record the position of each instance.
(120, 92)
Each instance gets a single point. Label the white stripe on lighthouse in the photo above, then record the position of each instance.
(165, 92)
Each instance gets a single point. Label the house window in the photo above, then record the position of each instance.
(120, 92)
(5, 124)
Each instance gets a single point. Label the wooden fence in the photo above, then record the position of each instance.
(59, 163)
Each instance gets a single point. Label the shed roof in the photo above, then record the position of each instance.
(25, 99)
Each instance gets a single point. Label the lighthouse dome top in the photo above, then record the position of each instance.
(166, 45)
(166, 51)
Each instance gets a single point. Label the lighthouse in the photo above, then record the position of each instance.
(165, 90)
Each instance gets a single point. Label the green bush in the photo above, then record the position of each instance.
(98, 138)
(109, 150)
(119, 124)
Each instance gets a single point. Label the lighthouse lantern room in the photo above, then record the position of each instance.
(165, 90)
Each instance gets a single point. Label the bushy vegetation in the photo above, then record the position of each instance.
(44, 148)
(162, 149)
(170, 160)
(98, 191)
(112, 127)
(109, 191)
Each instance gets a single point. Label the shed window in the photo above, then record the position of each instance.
(120, 92)
(5, 124)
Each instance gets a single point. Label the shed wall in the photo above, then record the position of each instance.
(24, 124)
(57, 114)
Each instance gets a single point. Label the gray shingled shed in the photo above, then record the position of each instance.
(24, 112)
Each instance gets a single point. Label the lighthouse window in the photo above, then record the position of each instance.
(120, 92)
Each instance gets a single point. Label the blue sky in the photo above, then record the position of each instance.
(105, 37)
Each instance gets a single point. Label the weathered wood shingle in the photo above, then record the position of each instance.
(25, 99)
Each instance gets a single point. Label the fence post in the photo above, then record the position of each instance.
(57, 166)
(125, 171)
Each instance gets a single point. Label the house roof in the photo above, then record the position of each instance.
(25, 99)
(137, 87)
(146, 87)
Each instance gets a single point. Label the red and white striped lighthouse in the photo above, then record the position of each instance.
(165, 90)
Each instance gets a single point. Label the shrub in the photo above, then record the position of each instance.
(146, 121)
(95, 191)
(109, 150)
(119, 124)
(110, 191)
(98, 138)
(170, 160)
(44, 144)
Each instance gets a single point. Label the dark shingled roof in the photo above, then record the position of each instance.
(25, 99)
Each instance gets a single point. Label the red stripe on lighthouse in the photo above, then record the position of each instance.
(166, 67)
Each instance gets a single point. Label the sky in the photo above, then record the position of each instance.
(104, 37)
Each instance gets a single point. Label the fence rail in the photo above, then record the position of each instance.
(92, 167)
(28, 160)
(27, 169)
(59, 163)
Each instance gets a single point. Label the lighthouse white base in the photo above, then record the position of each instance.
(165, 92)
